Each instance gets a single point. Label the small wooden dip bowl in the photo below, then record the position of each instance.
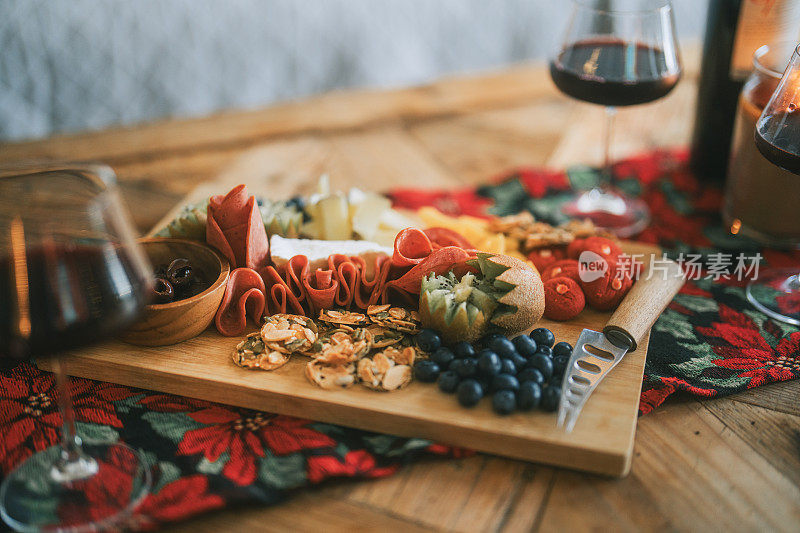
(180, 320)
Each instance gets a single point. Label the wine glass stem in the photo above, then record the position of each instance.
(73, 463)
(608, 132)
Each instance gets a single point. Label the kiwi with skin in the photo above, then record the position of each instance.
(503, 294)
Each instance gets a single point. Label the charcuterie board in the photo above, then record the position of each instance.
(601, 442)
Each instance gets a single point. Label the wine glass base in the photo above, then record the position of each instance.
(776, 293)
(611, 211)
(116, 480)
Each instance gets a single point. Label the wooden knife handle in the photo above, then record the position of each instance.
(652, 292)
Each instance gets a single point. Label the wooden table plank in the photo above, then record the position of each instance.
(333, 111)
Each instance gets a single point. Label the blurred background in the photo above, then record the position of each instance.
(71, 65)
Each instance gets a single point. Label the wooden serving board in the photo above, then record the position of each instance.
(601, 442)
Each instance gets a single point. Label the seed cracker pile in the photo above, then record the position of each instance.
(375, 349)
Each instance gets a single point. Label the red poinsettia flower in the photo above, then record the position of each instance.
(539, 183)
(246, 436)
(105, 494)
(355, 463)
(169, 403)
(654, 392)
(29, 416)
(177, 500)
(742, 347)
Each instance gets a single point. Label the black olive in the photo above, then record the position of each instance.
(164, 293)
(179, 273)
(161, 271)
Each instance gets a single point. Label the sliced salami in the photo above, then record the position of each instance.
(244, 295)
(236, 229)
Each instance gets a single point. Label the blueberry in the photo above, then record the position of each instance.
(469, 392)
(508, 367)
(550, 398)
(562, 348)
(448, 381)
(525, 345)
(489, 363)
(468, 367)
(543, 364)
(485, 341)
(428, 340)
(556, 381)
(531, 374)
(463, 350)
(543, 337)
(504, 402)
(560, 363)
(443, 357)
(505, 382)
(529, 395)
(518, 360)
(502, 347)
(545, 350)
(426, 371)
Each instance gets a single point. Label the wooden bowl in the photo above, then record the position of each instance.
(178, 321)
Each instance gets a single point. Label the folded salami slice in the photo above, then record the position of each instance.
(244, 295)
(439, 262)
(235, 228)
(280, 297)
(347, 275)
(293, 273)
(411, 246)
(441, 237)
(321, 288)
(370, 280)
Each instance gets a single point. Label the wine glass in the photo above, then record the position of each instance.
(616, 53)
(777, 136)
(71, 273)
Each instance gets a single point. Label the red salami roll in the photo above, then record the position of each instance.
(411, 246)
(369, 278)
(347, 275)
(439, 262)
(244, 295)
(441, 237)
(280, 297)
(236, 229)
(321, 290)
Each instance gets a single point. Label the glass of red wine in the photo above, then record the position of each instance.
(616, 53)
(71, 274)
(776, 292)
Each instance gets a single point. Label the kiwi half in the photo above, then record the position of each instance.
(504, 293)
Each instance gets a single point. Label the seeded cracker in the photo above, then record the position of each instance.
(331, 376)
(289, 333)
(338, 317)
(387, 370)
(252, 353)
(395, 318)
(383, 336)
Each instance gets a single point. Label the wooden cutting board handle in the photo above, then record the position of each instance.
(652, 292)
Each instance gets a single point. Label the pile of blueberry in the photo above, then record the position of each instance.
(521, 373)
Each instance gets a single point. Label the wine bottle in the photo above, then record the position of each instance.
(734, 30)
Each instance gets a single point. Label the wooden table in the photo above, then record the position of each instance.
(728, 464)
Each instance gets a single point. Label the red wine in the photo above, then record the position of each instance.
(613, 73)
(57, 297)
(783, 149)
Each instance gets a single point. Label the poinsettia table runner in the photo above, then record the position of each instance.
(709, 342)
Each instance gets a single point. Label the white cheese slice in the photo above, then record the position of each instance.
(317, 251)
